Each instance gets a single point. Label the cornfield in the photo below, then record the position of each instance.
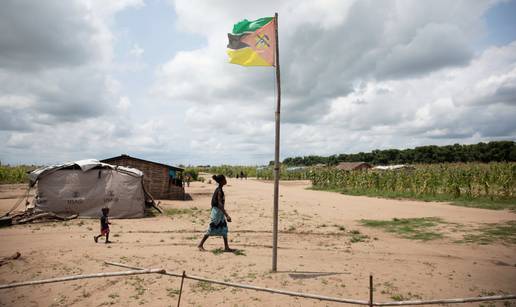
(285, 173)
(13, 174)
(230, 171)
(495, 180)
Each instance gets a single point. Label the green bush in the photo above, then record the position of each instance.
(193, 171)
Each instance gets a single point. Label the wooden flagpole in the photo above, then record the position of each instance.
(276, 153)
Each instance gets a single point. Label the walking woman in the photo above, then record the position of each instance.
(218, 225)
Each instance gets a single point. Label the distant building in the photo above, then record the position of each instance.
(352, 166)
(296, 168)
(162, 181)
(394, 167)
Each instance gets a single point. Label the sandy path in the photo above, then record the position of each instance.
(310, 242)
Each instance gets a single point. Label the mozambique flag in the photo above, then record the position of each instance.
(253, 43)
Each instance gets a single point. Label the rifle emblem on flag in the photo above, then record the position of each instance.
(262, 41)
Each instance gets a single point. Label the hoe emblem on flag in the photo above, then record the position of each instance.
(262, 41)
(252, 43)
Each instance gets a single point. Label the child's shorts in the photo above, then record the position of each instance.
(104, 231)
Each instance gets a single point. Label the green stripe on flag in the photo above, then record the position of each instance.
(250, 26)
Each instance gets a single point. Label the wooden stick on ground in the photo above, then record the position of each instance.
(75, 277)
(242, 286)
(181, 288)
(333, 299)
(450, 301)
(46, 215)
(5, 260)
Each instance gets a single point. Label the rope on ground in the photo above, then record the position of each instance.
(75, 277)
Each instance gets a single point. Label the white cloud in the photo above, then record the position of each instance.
(124, 103)
(16, 101)
(136, 51)
(55, 76)
(491, 78)
(356, 75)
(59, 57)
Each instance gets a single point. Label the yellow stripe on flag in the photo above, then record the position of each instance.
(246, 57)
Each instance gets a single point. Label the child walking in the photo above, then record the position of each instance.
(104, 226)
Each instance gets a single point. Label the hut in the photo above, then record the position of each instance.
(162, 181)
(352, 166)
(85, 187)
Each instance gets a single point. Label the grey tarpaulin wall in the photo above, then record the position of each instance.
(85, 187)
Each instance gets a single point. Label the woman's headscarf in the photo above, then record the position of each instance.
(218, 178)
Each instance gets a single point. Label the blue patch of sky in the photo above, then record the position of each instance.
(153, 28)
(501, 24)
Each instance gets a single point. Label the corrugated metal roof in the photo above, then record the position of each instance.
(85, 166)
(123, 156)
(349, 166)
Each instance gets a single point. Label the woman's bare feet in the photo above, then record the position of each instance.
(201, 248)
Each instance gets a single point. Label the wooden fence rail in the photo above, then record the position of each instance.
(242, 286)
(140, 271)
(75, 277)
(450, 301)
(333, 299)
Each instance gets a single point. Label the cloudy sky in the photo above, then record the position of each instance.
(150, 78)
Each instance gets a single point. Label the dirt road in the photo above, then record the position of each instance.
(323, 249)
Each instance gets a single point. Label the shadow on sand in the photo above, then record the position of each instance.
(308, 275)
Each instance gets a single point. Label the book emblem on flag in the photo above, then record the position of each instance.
(252, 42)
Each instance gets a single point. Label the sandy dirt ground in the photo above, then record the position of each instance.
(315, 254)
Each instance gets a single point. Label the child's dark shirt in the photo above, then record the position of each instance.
(104, 223)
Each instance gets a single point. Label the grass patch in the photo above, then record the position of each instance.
(171, 292)
(357, 236)
(139, 288)
(151, 212)
(409, 296)
(181, 211)
(217, 251)
(237, 252)
(411, 228)
(291, 228)
(490, 233)
(486, 203)
(204, 286)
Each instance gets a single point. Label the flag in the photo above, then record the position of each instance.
(252, 43)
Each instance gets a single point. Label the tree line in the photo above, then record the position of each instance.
(496, 151)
